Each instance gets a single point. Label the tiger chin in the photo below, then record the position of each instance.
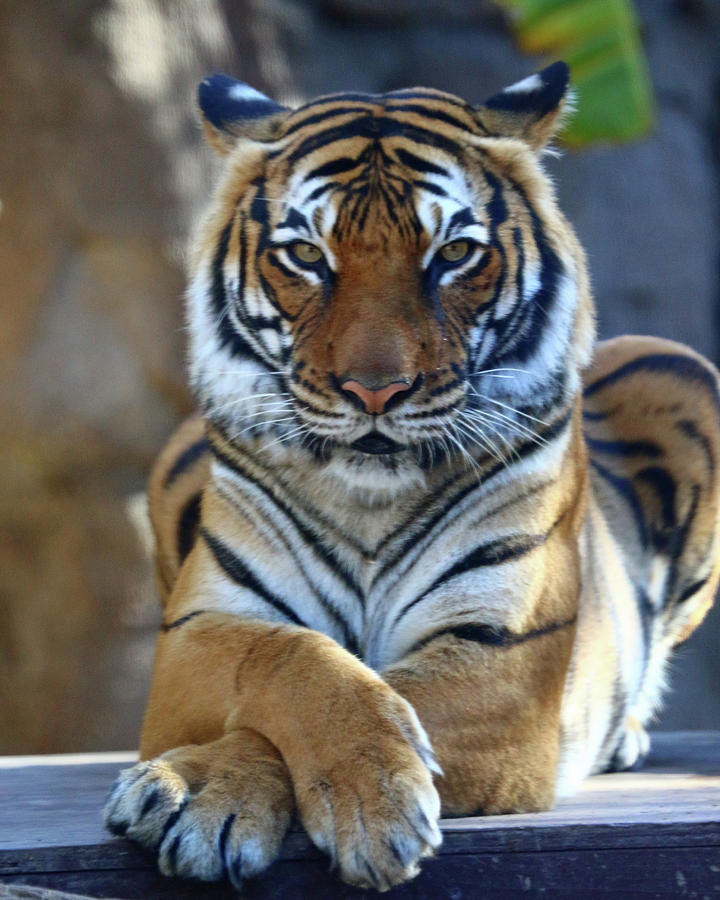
(427, 547)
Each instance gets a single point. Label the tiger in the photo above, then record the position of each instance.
(427, 545)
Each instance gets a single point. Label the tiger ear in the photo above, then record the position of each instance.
(531, 109)
(232, 109)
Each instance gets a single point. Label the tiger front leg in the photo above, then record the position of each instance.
(359, 759)
(355, 756)
(492, 714)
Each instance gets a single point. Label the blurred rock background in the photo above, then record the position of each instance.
(102, 170)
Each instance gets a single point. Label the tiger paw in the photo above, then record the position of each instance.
(210, 812)
(373, 808)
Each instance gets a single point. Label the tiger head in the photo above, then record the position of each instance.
(386, 281)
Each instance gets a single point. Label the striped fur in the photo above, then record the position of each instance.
(398, 523)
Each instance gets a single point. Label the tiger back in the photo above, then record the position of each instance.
(399, 542)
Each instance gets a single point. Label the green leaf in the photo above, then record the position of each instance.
(600, 42)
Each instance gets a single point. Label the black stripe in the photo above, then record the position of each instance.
(334, 167)
(461, 218)
(178, 622)
(538, 310)
(323, 117)
(513, 323)
(497, 214)
(494, 553)
(599, 416)
(372, 129)
(252, 324)
(223, 840)
(691, 589)
(672, 363)
(492, 636)
(420, 165)
(227, 335)
(410, 94)
(258, 323)
(294, 219)
(321, 413)
(188, 526)
(430, 413)
(436, 115)
(430, 187)
(665, 488)
(626, 490)
(625, 448)
(693, 433)
(236, 569)
(323, 189)
(678, 544)
(186, 459)
(319, 548)
(523, 451)
(350, 641)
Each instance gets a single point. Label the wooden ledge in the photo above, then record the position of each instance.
(652, 833)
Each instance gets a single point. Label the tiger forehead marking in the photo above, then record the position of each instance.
(367, 174)
(369, 161)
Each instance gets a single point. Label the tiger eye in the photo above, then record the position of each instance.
(307, 253)
(455, 251)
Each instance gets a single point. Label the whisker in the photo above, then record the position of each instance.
(267, 408)
(286, 437)
(469, 461)
(264, 425)
(519, 428)
(513, 410)
(247, 397)
(269, 200)
(499, 369)
(490, 374)
(512, 450)
(262, 405)
(480, 436)
(504, 405)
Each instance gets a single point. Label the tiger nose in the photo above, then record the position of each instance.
(374, 402)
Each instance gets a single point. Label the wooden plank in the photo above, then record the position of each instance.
(23, 892)
(617, 874)
(663, 820)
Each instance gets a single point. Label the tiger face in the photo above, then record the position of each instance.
(386, 281)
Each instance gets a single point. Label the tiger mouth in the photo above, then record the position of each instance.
(377, 444)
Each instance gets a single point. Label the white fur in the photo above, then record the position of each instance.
(245, 92)
(527, 86)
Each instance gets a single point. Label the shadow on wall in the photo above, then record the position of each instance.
(105, 172)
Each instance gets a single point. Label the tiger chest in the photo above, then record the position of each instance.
(377, 580)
